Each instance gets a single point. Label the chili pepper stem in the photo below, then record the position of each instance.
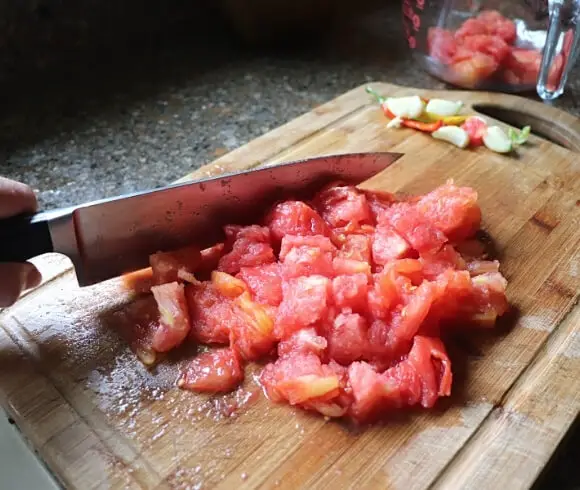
(379, 98)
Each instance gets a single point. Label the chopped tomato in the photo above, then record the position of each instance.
(211, 313)
(217, 371)
(306, 255)
(139, 281)
(264, 282)
(165, 265)
(414, 227)
(295, 218)
(349, 312)
(251, 247)
(356, 247)
(174, 316)
(304, 341)
(452, 210)
(441, 44)
(473, 70)
(388, 245)
(475, 128)
(253, 334)
(487, 44)
(305, 302)
(343, 205)
(347, 339)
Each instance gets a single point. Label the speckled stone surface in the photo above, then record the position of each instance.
(153, 111)
(147, 112)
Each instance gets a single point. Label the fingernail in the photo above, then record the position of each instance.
(33, 278)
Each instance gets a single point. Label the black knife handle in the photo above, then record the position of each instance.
(24, 237)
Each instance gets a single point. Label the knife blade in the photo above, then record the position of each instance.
(110, 237)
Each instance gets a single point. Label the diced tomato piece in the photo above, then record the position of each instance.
(522, 66)
(453, 210)
(351, 291)
(306, 255)
(211, 313)
(498, 25)
(471, 27)
(165, 265)
(139, 281)
(174, 316)
(370, 391)
(489, 293)
(349, 267)
(137, 323)
(388, 245)
(492, 46)
(441, 44)
(295, 218)
(253, 334)
(347, 340)
(356, 247)
(472, 71)
(430, 361)
(437, 263)
(343, 205)
(407, 323)
(251, 248)
(217, 371)
(378, 203)
(209, 260)
(305, 302)
(264, 282)
(298, 378)
(555, 72)
(304, 341)
(476, 128)
(414, 227)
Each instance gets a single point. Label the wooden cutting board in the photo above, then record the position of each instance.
(100, 420)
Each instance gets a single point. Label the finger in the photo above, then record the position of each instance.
(15, 198)
(15, 278)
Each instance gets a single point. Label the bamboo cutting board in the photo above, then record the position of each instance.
(100, 420)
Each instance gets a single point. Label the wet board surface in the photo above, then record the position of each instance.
(99, 419)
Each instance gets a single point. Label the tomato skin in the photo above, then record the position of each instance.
(174, 316)
(218, 371)
(165, 265)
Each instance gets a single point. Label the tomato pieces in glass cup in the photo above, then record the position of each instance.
(518, 48)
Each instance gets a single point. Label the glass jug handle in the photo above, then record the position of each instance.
(561, 12)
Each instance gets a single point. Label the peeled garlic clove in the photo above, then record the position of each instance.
(407, 107)
(497, 140)
(452, 134)
(443, 107)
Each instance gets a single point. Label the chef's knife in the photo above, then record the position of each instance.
(110, 237)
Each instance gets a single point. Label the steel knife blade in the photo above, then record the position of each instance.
(110, 237)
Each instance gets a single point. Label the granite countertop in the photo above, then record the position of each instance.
(139, 116)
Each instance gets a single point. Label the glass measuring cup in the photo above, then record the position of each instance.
(505, 45)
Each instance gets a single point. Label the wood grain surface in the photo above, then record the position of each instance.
(99, 419)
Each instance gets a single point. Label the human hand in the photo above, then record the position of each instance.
(16, 198)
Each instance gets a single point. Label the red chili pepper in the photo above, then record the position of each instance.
(387, 112)
(422, 126)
